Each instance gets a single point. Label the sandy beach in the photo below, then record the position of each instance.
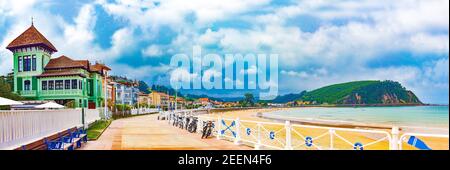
(324, 140)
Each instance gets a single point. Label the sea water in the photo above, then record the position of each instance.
(405, 116)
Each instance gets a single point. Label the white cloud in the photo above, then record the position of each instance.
(152, 51)
(146, 14)
(146, 73)
(252, 70)
(75, 38)
(367, 29)
(426, 43)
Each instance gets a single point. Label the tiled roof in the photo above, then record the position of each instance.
(63, 66)
(31, 36)
(203, 99)
(55, 73)
(66, 62)
(99, 67)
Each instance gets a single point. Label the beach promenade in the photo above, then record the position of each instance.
(148, 133)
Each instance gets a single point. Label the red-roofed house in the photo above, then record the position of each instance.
(67, 81)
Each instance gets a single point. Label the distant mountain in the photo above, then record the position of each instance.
(362, 92)
(164, 89)
(223, 99)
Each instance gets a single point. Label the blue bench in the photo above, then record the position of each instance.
(69, 139)
(78, 136)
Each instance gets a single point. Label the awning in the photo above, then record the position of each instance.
(8, 102)
(50, 105)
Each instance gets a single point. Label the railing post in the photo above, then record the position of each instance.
(199, 125)
(83, 118)
(258, 142)
(288, 127)
(185, 119)
(394, 140)
(331, 139)
(219, 127)
(237, 140)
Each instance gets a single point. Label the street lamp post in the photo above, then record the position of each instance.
(106, 97)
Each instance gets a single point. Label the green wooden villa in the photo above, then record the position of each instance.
(38, 76)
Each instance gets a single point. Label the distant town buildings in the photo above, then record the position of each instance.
(126, 92)
(82, 83)
(144, 99)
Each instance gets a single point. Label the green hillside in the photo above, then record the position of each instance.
(362, 92)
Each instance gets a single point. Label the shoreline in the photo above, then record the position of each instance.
(326, 123)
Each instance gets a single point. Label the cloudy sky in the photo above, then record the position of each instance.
(319, 42)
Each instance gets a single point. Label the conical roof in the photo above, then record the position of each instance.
(29, 37)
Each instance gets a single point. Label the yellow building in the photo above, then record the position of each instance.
(159, 99)
(144, 99)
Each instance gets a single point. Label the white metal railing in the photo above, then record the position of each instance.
(138, 111)
(61, 92)
(28, 92)
(276, 135)
(18, 127)
(92, 115)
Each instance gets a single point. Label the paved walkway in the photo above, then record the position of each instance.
(146, 132)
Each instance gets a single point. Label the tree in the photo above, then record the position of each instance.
(249, 100)
(6, 92)
(143, 87)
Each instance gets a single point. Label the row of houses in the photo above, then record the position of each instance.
(79, 83)
(164, 101)
(161, 100)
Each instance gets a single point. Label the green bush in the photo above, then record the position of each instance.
(123, 107)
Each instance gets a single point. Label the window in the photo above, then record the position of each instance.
(66, 84)
(44, 85)
(81, 85)
(20, 64)
(59, 85)
(27, 85)
(50, 84)
(26, 63)
(33, 61)
(74, 84)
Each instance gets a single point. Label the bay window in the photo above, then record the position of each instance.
(74, 84)
(58, 85)
(66, 84)
(51, 84)
(44, 85)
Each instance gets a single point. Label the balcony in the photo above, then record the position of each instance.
(28, 93)
(73, 92)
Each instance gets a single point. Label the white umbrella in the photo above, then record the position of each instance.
(50, 105)
(5, 101)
